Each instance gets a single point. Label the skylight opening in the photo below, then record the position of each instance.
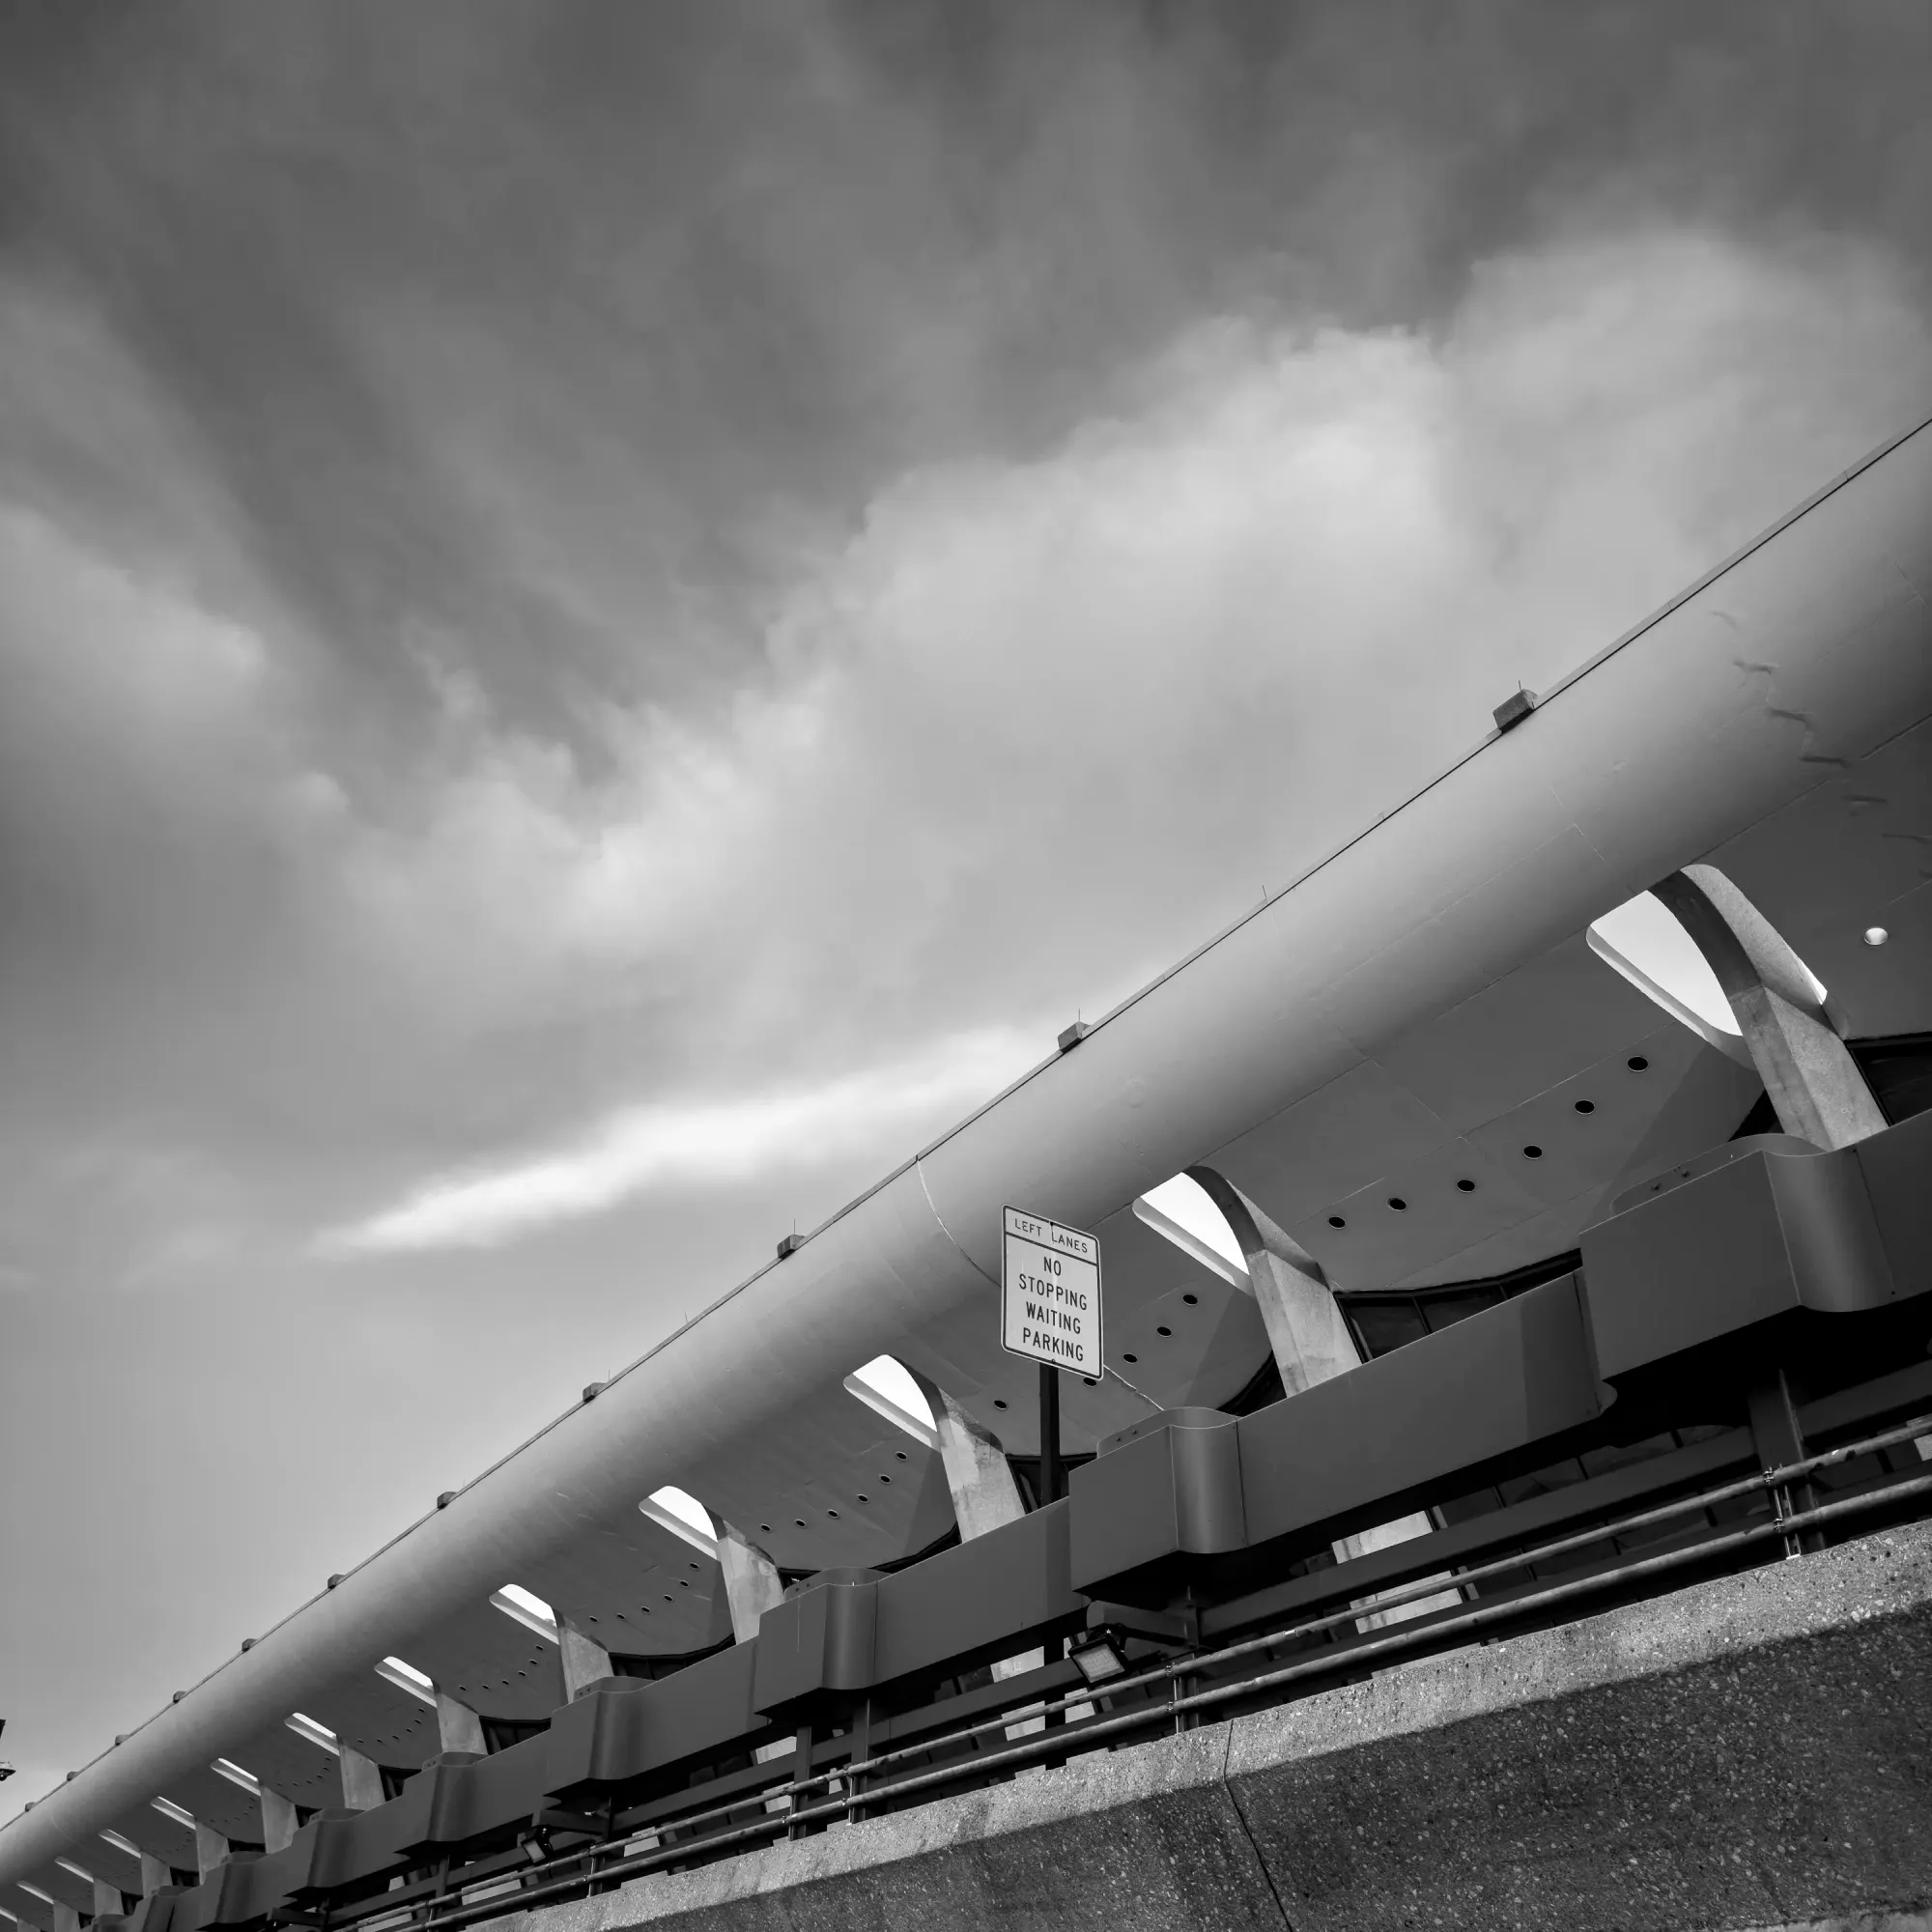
(1182, 1212)
(407, 1677)
(168, 1809)
(68, 1866)
(684, 1515)
(307, 1728)
(121, 1844)
(886, 1386)
(528, 1609)
(1644, 943)
(234, 1774)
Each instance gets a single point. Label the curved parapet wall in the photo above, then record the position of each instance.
(1797, 658)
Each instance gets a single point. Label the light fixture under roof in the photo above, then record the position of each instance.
(526, 1608)
(407, 1677)
(33, 1891)
(886, 1386)
(234, 1774)
(307, 1728)
(122, 1844)
(85, 1876)
(1876, 935)
(1182, 1212)
(684, 1515)
(168, 1809)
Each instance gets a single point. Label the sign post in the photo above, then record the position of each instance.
(1050, 1313)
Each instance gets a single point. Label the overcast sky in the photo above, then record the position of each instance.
(609, 613)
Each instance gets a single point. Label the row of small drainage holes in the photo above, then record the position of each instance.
(898, 1455)
(683, 1584)
(799, 1520)
(1190, 1300)
(1637, 1063)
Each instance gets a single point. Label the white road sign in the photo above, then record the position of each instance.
(1050, 1294)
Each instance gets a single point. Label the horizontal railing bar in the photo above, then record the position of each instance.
(1477, 1538)
(1428, 1553)
(1780, 1525)
(1906, 1388)
(1582, 1539)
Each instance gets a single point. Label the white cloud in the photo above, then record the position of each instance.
(697, 1143)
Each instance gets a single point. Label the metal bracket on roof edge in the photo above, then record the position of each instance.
(1073, 1036)
(790, 1246)
(1514, 709)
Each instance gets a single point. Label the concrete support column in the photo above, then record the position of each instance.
(1307, 1335)
(156, 1872)
(751, 1581)
(361, 1779)
(751, 1586)
(278, 1821)
(984, 1495)
(1817, 1087)
(210, 1848)
(458, 1728)
(107, 1900)
(582, 1657)
(1813, 1082)
(1311, 1344)
(67, 1918)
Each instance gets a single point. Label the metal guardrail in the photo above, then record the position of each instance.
(516, 1881)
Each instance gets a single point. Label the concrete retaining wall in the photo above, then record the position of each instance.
(1755, 1752)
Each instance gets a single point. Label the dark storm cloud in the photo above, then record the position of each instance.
(700, 271)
